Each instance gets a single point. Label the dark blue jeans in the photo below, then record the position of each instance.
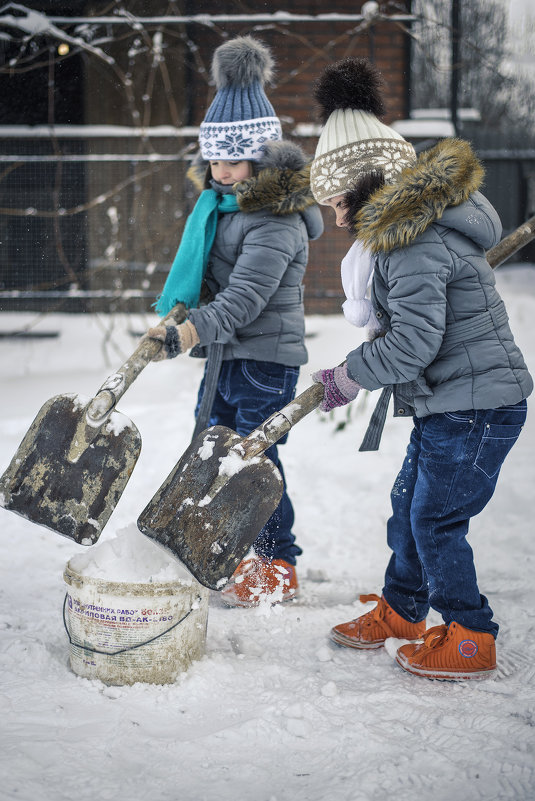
(248, 392)
(448, 476)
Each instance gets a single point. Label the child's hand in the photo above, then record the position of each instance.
(340, 389)
(176, 339)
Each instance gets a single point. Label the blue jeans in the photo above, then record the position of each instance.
(448, 476)
(248, 392)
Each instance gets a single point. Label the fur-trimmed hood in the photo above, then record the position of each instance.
(281, 184)
(396, 214)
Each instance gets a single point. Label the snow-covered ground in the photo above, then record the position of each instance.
(273, 712)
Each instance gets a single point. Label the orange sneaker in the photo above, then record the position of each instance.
(372, 629)
(258, 579)
(450, 652)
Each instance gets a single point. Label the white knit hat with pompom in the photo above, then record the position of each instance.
(354, 141)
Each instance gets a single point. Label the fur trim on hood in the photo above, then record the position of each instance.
(281, 184)
(446, 175)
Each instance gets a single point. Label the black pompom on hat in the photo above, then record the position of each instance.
(352, 83)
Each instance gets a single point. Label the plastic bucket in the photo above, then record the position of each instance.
(122, 633)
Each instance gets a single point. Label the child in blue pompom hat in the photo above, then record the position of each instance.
(246, 242)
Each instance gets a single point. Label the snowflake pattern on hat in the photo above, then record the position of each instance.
(337, 172)
(233, 141)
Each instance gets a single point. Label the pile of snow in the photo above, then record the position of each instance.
(129, 557)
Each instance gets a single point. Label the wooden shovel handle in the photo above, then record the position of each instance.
(276, 426)
(116, 384)
(99, 408)
(510, 244)
(148, 348)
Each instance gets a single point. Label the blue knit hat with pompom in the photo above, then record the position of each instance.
(240, 119)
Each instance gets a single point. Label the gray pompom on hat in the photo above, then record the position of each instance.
(240, 119)
(354, 142)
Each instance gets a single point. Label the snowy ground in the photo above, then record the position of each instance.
(273, 712)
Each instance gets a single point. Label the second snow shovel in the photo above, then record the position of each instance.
(73, 464)
(221, 493)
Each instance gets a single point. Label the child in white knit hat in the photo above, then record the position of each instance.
(247, 239)
(440, 341)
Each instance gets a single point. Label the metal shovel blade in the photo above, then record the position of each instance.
(73, 498)
(213, 505)
(73, 464)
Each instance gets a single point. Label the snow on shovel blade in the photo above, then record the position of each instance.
(213, 505)
(73, 498)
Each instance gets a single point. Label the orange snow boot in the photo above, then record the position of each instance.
(257, 579)
(372, 629)
(451, 653)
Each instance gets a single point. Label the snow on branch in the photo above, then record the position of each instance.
(34, 23)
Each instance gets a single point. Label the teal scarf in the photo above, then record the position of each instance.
(183, 284)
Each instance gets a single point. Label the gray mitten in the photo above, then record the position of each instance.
(176, 339)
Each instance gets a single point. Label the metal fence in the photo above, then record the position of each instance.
(90, 219)
(91, 222)
(85, 227)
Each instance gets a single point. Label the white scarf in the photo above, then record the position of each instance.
(357, 273)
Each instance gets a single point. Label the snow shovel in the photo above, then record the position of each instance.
(221, 493)
(73, 464)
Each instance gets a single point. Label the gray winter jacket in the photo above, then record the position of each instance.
(448, 345)
(258, 260)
